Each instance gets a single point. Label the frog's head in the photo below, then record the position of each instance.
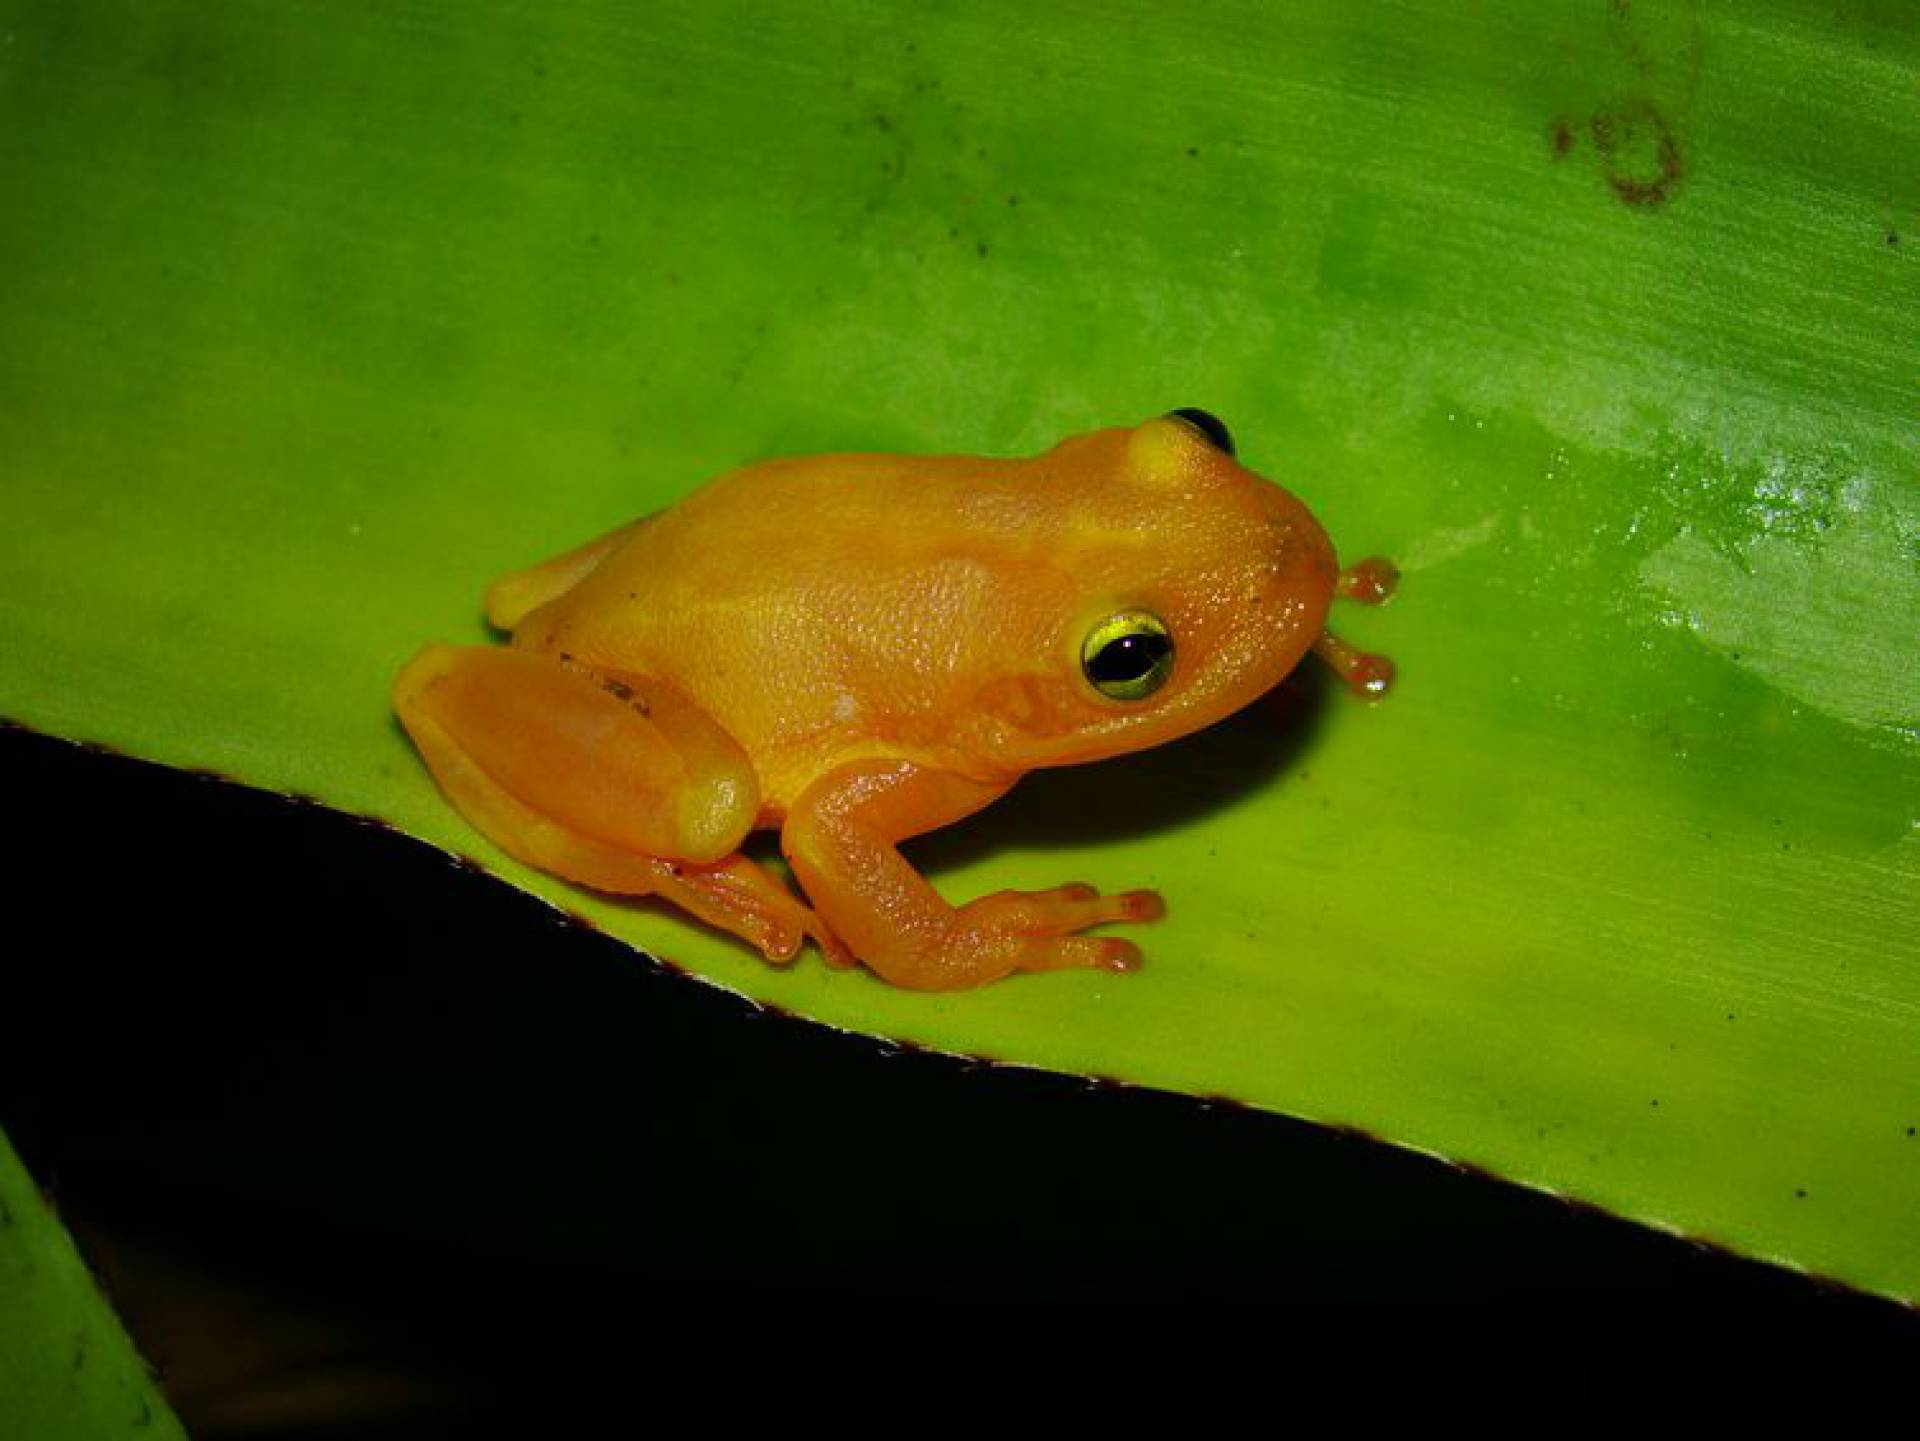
(1188, 586)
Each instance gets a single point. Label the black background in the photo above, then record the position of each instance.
(256, 1048)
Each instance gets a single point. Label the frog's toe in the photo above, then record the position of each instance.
(1043, 926)
(1072, 891)
(1140, 905)
(1116, 955)
(1090, 953)
(779, 944)
(832, 948)
(1072, 908)
(789, 925)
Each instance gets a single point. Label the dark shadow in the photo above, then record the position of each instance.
(1166, 788)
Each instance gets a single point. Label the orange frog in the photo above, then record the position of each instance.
(857, 649)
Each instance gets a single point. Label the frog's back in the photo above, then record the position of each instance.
(789, 533)
(811, 605)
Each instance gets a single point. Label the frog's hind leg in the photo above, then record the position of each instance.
(512, 597)
(619, 785)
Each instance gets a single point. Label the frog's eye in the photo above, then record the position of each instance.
(1128, 656)
(1209, 425)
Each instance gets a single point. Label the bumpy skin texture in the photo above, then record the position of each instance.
(856, 649)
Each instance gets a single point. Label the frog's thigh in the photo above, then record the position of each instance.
(594, 757)
(841, 840)
(519, 743)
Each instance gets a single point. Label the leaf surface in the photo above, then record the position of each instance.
(1601, 319)
(67, 1370)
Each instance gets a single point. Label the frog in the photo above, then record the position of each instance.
(857, 649)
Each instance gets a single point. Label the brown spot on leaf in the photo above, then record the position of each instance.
(1639, 153)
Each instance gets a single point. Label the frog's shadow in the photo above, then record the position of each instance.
(1163, 789)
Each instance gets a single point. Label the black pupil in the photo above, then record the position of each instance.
(1209, 425)
(1129, 657)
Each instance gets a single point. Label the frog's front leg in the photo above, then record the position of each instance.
(841, 838)
(617, 783)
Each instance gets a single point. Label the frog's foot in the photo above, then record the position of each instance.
(1367, 675)
(512, 598)
(1370, 582)
(1040, 928)
(739, 896)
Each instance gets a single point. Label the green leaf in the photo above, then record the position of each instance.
(67, 1370)
(1601, 319)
